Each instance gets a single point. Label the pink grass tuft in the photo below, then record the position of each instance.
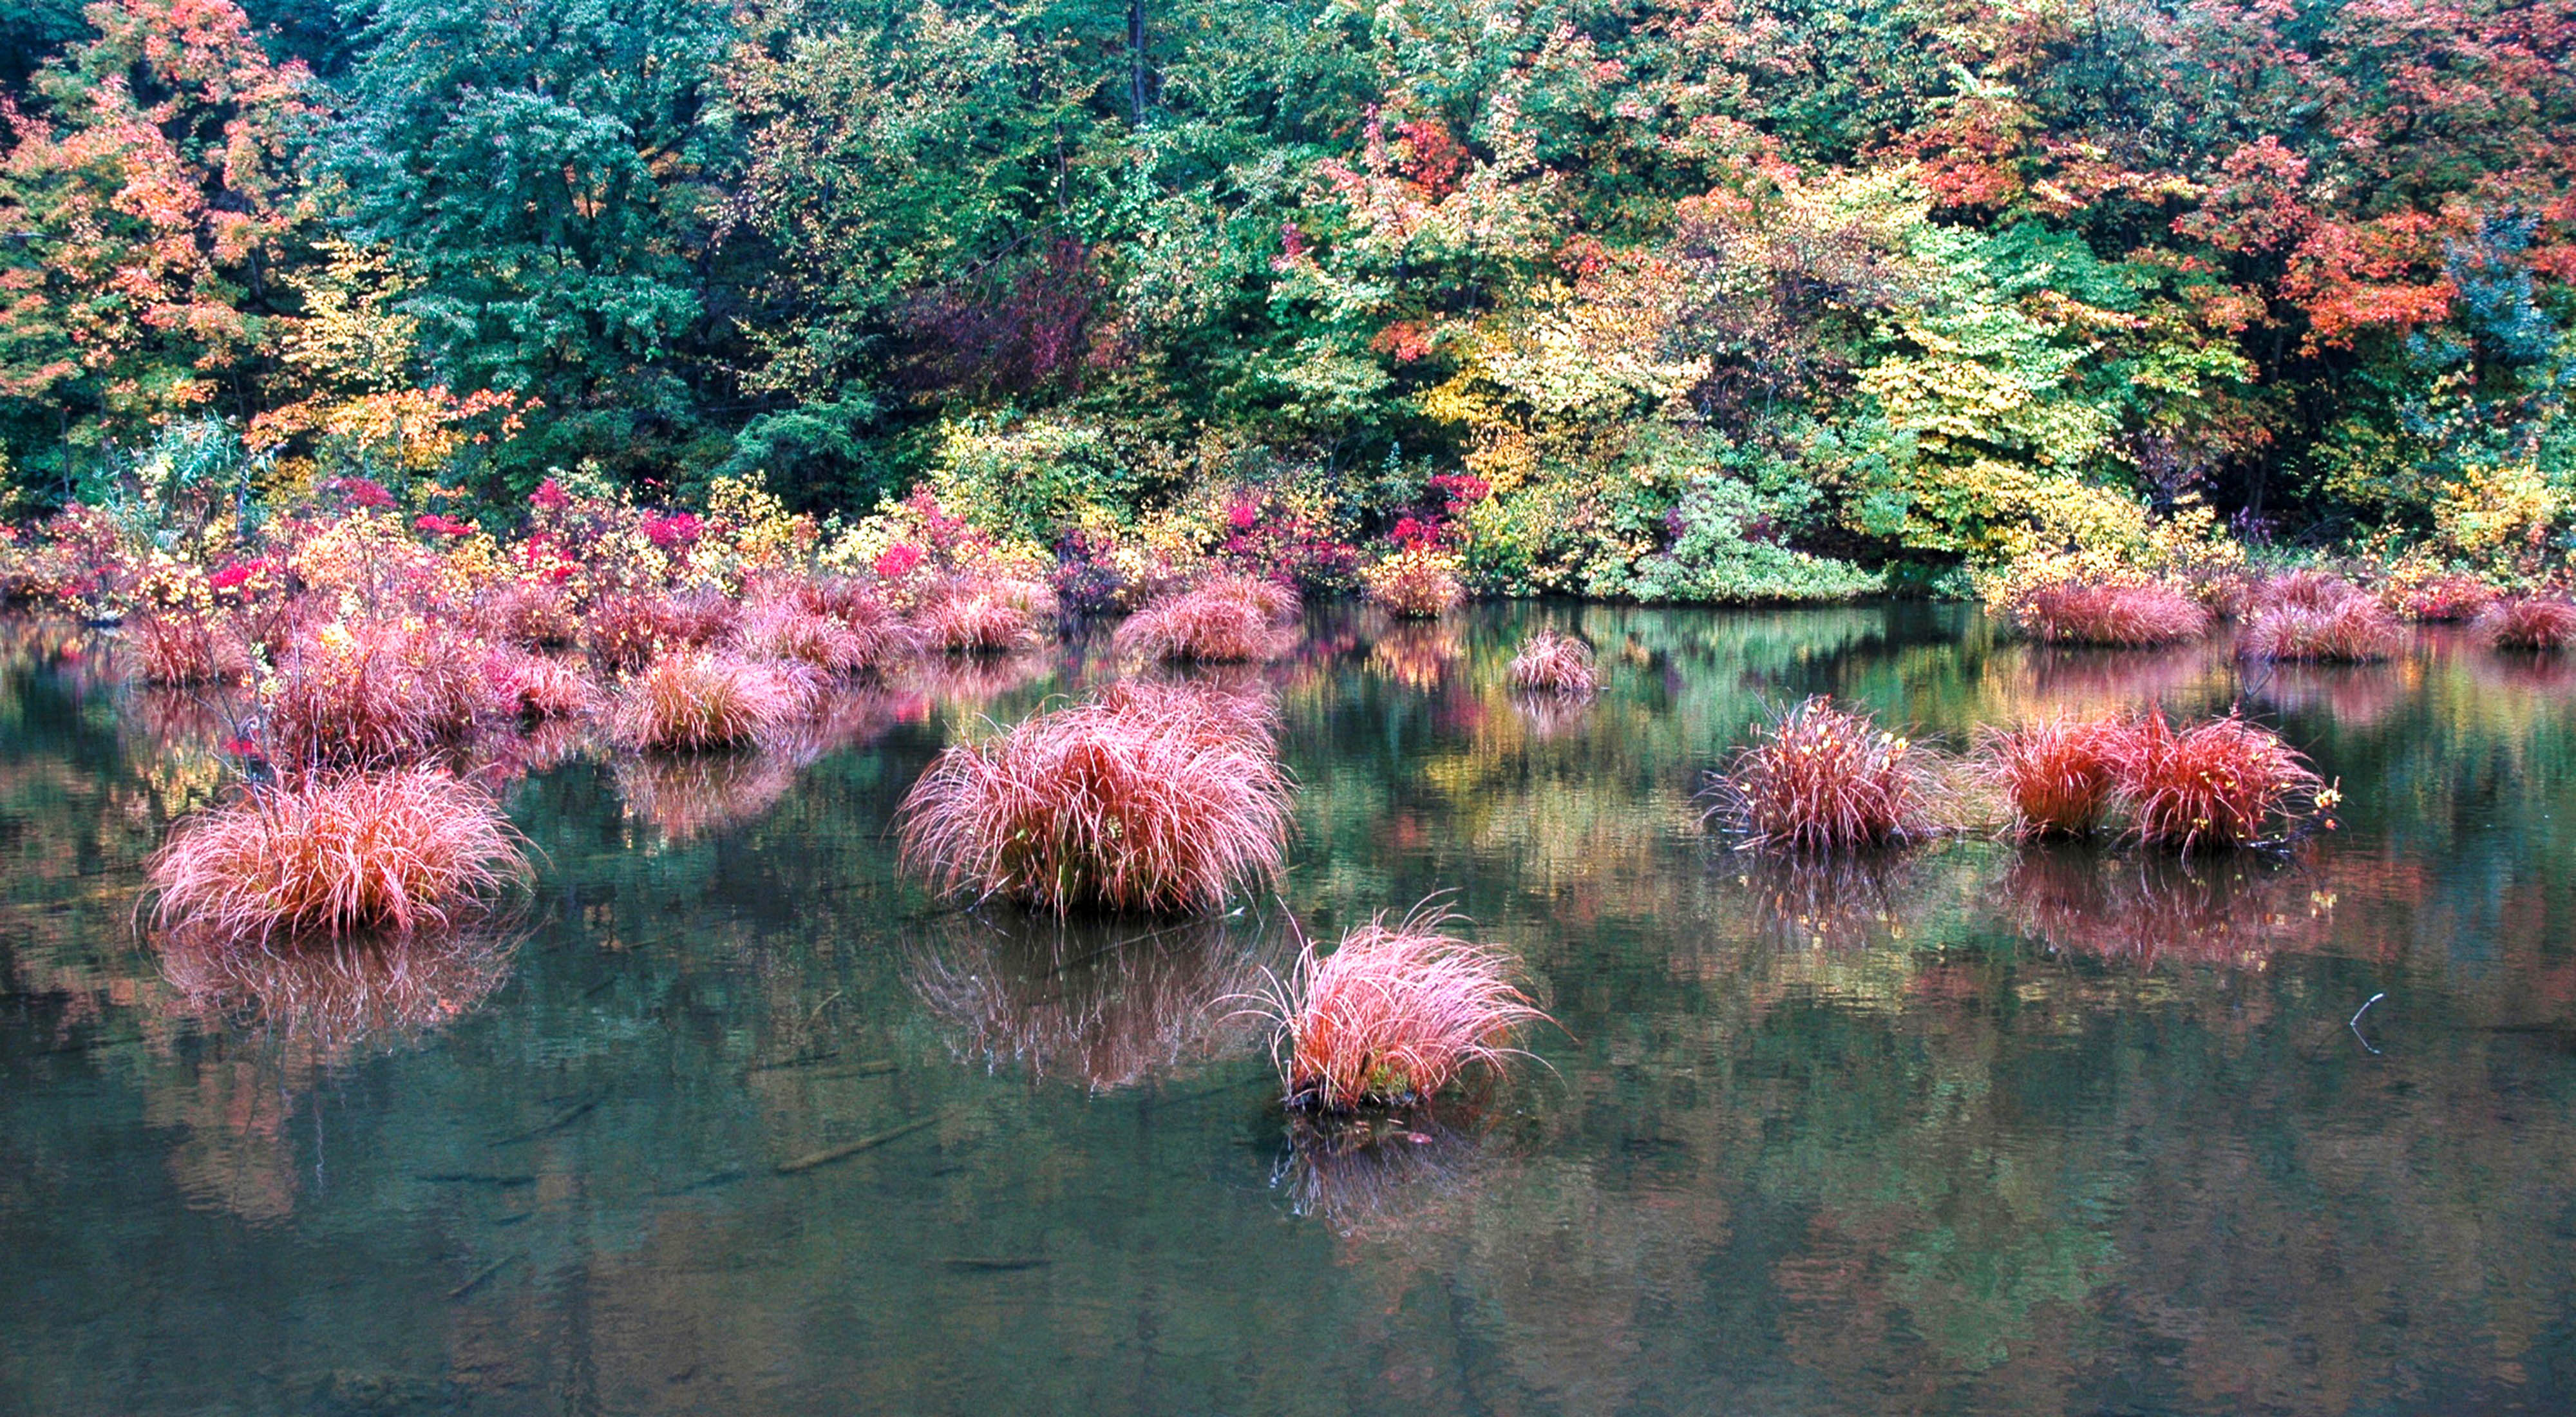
(370, 695)
(2353, 630)
(2218, 784)
(332, 853)
(974, 615)
(2059, 774)
(1396, 1012)
(1222, 620)
(1554, 663)
(2542, 624)
(1823, 778)
(1142, 798)
(692, 699)
(2114, 616)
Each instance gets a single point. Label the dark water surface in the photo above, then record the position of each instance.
(1979, 1130)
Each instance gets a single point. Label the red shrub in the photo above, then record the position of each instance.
(2443, 599)
(1824, 778)
(362, 695)
(978, 616)
(333, 853)
(2354, 630)
(1225, 619)
(1396, 1013)
(2220, 783)
(2529, 622)
(1141, 798)
(2118, 616)
(1555, 663)
(2059, 774)
(692, 699)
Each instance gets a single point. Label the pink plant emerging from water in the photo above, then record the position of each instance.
(334, 853)
(1553, 663)
(1142, 798)
(1396, 1012)
(1824, 778)
(2059, 774)
(2118, 616)
(2542, 624)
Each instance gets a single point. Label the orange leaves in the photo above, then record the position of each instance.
(143, 217)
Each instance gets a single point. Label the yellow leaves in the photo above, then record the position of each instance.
(2491, 510)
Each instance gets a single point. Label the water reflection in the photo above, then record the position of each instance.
(1103, 1004)
(335, 996)
(2144, 907)
(1975, 1129)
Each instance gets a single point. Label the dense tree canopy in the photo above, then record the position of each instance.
(1692, 297)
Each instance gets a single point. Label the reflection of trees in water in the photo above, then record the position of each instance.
(2240, 908)
(335, 997)
(1106, 1003)
(1416, 654)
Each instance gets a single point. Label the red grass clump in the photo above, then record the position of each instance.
(2115, 616)
(692, 699)
(1221, 620)
(529, 614)
(832, 624)
(188, 647)
(538, 686)
(973, 615)
(1396, 1013)
(624, 631)
(1823, 778)
(2059, 774)
(2218, 784)
(2529, 622)
(361, 695)
(2305, 589)
(1141, 798)
(333, 853)
(1554, 663)
(2353, 630)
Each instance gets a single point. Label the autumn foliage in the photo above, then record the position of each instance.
(2217, 784)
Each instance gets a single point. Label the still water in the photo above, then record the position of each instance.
(1980, 1129)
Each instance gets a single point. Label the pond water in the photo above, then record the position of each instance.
(1980, 1129)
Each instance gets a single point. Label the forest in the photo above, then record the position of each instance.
(1663, 300)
